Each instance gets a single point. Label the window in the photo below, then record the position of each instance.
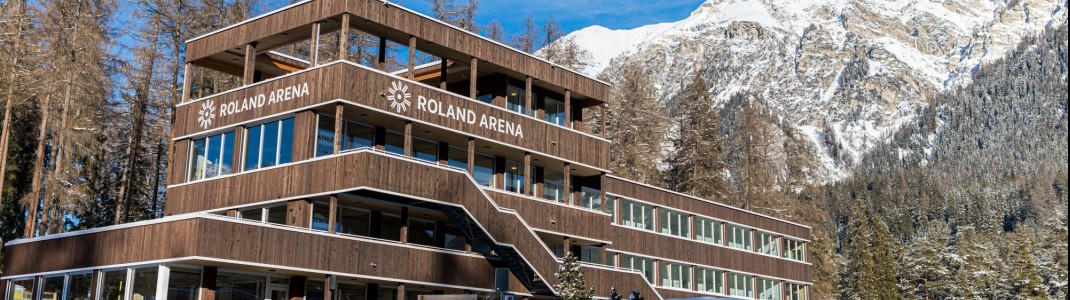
(591, 254)
(211, 156)
(708, 280)
(769, 289)
(514, 177)
(738, 237)
(395, 143)
(351, 292)
(314, 290)
(113, 285)
(675, 223)
(421, 232)
(553, 186)
(515, 99)
(269, 144)
(611, 208)
(740, 285)
(795, 291)
(52, 288)
(641, 264)
(325, 136)
(321, 214)
(390, 227)
(20, 289)
(637, 215)
(358, 136)
(144, 286)
(675, 275)
(767, 244)
(183, 284)
(353, 221)
(457, 158)
(590, 198)
(793, 249)
(274, 214)
(78, 287)
(234, 286)
(553, 111)
(485, 97)
(425, 150)
(483, 170)
(454, 238)
(707, 230)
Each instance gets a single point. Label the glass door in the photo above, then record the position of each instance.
(277, 292)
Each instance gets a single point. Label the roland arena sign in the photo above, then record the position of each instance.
(401, 101)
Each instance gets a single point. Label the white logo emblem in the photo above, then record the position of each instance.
(399, 96)
(206, 114)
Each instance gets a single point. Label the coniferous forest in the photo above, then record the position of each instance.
(968, 202)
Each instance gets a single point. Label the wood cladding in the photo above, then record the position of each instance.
(366, 87)
(220, 239)
(398, 24)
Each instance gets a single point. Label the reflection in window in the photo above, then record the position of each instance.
(637, 214)
(767, 244)
(553, 186)
(79, 285)
(514, 177)
(325, 136)
(708, 280)
(321, 213)
(113, 285)
(793, 249)
(795, 291)
(675, 275)
(182, 284)
(483, 170)
(358, 136)
(421, 232)
(145, 283)
(395, 143)
(390, 227)
(454, 238)
(269, 144)
(591, 254)
(738, 237)
(52, 288)
(707, 230)
(641, 264)
(515, 99)
(353, 221)
(351, 292)
(768, 289)
(553, 111)
(274, 214)
(458, 158)
(234, 286)
(674, 223)
(211, 156)
(590, 198)
(425, 150)
(611, 208)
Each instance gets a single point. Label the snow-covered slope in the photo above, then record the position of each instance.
(851, 70)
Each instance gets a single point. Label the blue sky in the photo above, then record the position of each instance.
(573, 15)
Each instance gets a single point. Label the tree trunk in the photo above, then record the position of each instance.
(38, 169)
(6, 134)
(133, 150)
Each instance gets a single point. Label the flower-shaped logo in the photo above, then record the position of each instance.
(398, 95)
(207, 114)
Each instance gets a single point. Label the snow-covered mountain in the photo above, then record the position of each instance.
(845, 73)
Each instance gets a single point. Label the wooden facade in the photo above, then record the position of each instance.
(204, 226)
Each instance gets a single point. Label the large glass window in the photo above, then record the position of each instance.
(675, 275)
(425, 150)
(145, 283)
(454, 238)
(113, 285)
(707, 230)
(553, 186)
(321, 214)
(611, 208)
(553, 111)
(273, 214)
(641, 264)
(421, 232)
(515, 99)
(390, 227)
(348, 291)
(395, 143)
(269, 144)
(211, 156)
(182, 284)
(325, 136)
(20, 289)
(795, 291)
(740, 285)
(514, 177)
(591, 254)
(793, 249)
(359, 136)
(675, 223)
(767, 244)
(78, 286)
(457, 158)
(768, 289)
(52, 288)
(353, 221)
(738, 237)
(637, 214)
(314, 290)
(708, 280)
(234, 286)
(483, 170)
(590, 198)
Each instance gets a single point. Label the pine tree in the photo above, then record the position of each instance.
(886, 272)
(695, 165)
(635, 122)
(859, 276)
(571, 284)
(926, 275)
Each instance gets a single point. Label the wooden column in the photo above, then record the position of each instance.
(328, 282)
(443, 70)
(568, 108)
(408, 139)
(343, 42)
(472, 74)
(527, 174)
(314, 45)
(602, 120)
(412, 57)
(567, 247)
(527, 96)
(602, 191)
(296, 290)
(401, 291)
(380, 138)
(332, 216)
(250, 64)
(568, 184)
(298, 213)
(339, 126)
(187, 82)
(471, 156)
(382, 54)
(236, 157)
(208, 278)
(404, 225)
(233, 213)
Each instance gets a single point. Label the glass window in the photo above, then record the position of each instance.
(390, 227)
(314, 290)
(739, 285)
(556, 245)
(78, 286)
(708, 280)
(21, 289)
(611, 208)
(359, 136)
(395, 143)
(637, 214)
(211, 156)
(738, 237)
(641, 264)
(256, 214)
(233, 286)
(388, 293)
(675, 223)
(590, 198)
(457, 158)
(768, 289)
(485, 97)
(553, 186)
(421, 232)
(707, 230)
(515, 99)
(325, 136)
(276, 214)
(795, 291)
(484, 170)
(52, 288)
(113, 285)
(321, 213)
(454, 238)
(553, 111)
(351, 292)
(269, 144)
(182, 284)
(591, 254)
(425, 150)
(145, 283)
(793, 249)
(353, 221)
(767, 244)
(675, 275)
(514, 177)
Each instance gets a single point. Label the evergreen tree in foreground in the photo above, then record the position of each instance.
(695, 164)
(859, 280)
(571, 284)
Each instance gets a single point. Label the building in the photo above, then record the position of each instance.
(330, 175)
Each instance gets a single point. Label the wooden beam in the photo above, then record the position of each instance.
(404, 231)
(471, 156)
(187, 84)
(527, 174)
(527, 97)
(442, 73)
(332, 216)
(412, 57)
(602, 120)
(339, 126)
(568, 108)
(328, 292)
(382, 53)
(472, 74)
(401, 291)
(568, 184)
(250, 64)
(314, 45)
(408, 139)
(343, 40)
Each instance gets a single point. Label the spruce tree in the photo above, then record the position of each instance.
(860, 274)
(884, 261)
(926, 275)
(695, 165)
(571, 284)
